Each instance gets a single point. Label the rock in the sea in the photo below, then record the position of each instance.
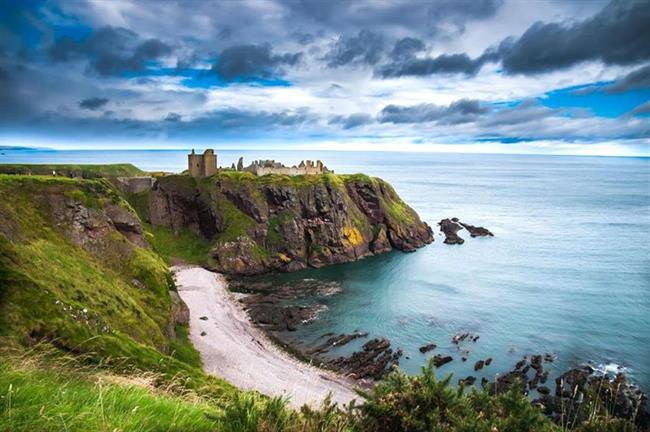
(479, 365)
(440, 360)
(338, 340)
(488, 361)
(375, 360)
(427, 348)
(469, 380)
(475, 231)
(450, 228)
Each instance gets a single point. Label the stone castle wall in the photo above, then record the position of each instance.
(265, 167)
(203, 165)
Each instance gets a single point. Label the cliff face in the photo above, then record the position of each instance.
(77, 269)
(258, 224)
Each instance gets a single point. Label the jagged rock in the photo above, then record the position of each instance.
(450, 228)
(439, 360)
(180, 313)
(479, 365)
(476, 231)
(333, 341)
(376, 359)
(427, 348)
(488, 361)
(543, 390)
(469, 380)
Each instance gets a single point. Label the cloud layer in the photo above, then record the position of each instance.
(447, 72)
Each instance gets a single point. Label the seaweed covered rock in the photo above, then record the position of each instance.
(281, 223)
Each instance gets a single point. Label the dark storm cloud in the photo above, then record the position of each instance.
(406, 48)
(461, 111)
(526, 111)
(110, 50)
(441, 17)
(93, 103)
(443, 64)
(252, 62)
(637, 79)
(366, 47)
(618, 34)
(351, 121)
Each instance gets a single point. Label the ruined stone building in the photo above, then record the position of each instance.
(264, 167)
(202, 165)
(206, 165)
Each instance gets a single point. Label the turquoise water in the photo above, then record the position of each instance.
(568, 270)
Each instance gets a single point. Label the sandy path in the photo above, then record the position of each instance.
(234, 349)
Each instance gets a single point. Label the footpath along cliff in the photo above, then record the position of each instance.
(254, 224)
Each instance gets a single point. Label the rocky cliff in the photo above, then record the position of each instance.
(280, 223)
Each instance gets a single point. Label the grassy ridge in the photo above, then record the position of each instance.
(73, 170)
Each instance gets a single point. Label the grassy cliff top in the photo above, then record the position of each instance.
(73, 170)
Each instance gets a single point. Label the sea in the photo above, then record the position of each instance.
(567, 271)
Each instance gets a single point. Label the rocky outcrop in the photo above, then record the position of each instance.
(449, 227)
(280, 223)
(475, 231)
(374, 361)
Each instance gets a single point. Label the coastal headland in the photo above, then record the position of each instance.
(85, 267)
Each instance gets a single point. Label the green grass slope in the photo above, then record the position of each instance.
(101, 295)
(72, 170)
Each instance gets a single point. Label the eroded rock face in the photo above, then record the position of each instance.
(450, 229)
(276, 223)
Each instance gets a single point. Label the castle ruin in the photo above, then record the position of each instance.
(264, 167)
(205, 165)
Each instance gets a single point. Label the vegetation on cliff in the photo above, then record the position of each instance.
(285, 223)
(76, 270)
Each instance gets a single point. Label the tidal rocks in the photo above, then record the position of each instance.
(450, 228)
(375, 360)
(440, 360)
(256, 225)
(278, 317)
(475, 231)
(338, 340)
(469, 380)
(427, 348)
(579, 388)
(479, 365)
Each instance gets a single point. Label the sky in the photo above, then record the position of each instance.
(484, 76)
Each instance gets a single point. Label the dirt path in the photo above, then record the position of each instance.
(237, 351)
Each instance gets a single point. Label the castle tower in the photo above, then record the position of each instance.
(194, 164)
(203, 165)
(209, 163)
